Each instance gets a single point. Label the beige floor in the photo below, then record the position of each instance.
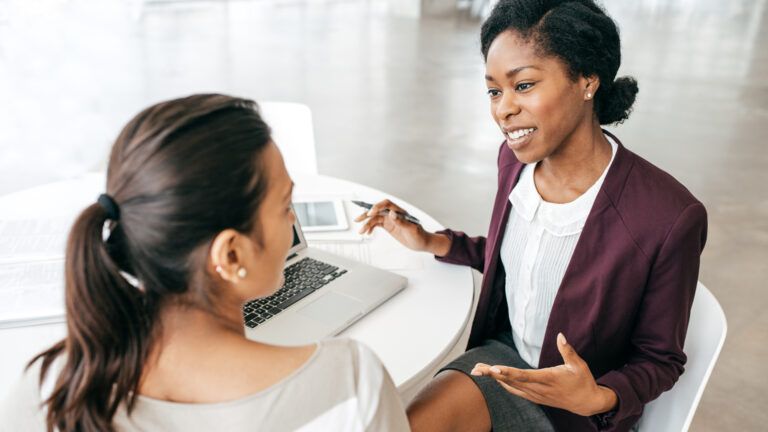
(399, 104)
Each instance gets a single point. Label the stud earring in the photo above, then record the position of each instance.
(589, 95)
(219, 269)
(242, 273)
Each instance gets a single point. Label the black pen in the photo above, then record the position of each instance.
(405, 216)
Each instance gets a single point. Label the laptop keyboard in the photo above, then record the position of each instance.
(301, 279)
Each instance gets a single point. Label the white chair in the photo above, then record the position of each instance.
(674, 410)
(292, 131)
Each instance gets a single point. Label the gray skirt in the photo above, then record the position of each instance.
(508, 412)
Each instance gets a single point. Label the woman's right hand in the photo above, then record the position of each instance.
(411, 235)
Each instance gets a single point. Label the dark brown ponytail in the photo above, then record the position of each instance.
(108, 328)
(181, 172)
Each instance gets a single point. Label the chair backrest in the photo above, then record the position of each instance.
(292, 131)
(674, 410)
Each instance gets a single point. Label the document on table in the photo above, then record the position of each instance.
(33, 239)
(388, 253)
(384, 253)
(353, 249)
(31, 292)
(32, 271)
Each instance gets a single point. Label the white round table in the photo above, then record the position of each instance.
(412, 333)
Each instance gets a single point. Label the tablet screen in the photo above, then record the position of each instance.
(317, 213)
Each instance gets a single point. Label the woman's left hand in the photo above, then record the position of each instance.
(569, 386)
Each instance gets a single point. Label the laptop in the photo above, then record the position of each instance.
(323, 294)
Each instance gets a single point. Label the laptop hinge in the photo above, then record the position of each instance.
(291, 256)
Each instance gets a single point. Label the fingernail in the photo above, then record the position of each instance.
(561, 339)
(475, 372)
(494, 369)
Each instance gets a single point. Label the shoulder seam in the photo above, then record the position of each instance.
(621, 217)
(677, 219)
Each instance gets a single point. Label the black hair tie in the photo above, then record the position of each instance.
(110, 206)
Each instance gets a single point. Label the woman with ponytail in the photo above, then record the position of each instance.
(195, 221)
(592, 256)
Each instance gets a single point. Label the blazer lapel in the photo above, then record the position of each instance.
(565, 315)
(507, 182)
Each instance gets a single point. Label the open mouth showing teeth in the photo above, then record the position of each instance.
(519, 133)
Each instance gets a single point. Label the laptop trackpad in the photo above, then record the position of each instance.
(332, 308)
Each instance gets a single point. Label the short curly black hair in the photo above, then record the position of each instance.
(580, 34)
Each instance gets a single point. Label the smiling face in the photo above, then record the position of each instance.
(535, 102)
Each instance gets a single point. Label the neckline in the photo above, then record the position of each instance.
(558, 218)
(242, 400)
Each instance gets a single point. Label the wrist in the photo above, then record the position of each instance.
(438, 244)
(605, 400)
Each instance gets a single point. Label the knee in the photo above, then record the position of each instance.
(450, 402)
(427, 414)
(417, 416)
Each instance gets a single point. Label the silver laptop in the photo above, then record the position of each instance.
(322, 295)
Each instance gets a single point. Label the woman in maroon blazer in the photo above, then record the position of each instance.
(612, 334)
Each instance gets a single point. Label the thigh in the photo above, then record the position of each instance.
(450, 402)
(507, 412)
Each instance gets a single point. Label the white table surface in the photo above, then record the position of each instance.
(412, 333)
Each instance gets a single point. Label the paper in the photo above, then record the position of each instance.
(25, 240)
(388, 253)
(354, 250)
(32, 270)
(31, 293)
(384, 252)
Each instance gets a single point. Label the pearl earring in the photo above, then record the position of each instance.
(219, 269)
(589, 95)
(242, 273)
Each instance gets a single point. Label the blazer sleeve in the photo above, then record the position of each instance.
(656, 357)
(465, 250)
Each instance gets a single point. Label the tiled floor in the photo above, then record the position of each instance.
(399, 104)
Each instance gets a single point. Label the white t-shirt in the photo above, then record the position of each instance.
(538, 244)
(342, 387)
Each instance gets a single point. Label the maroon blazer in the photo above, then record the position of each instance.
(626, 295)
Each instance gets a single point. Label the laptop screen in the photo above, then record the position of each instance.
(298, 239)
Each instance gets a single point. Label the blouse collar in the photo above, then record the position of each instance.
(559, 219)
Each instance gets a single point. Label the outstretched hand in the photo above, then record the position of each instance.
(569, 386)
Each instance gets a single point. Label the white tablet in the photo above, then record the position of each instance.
(321, 215)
